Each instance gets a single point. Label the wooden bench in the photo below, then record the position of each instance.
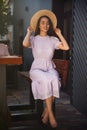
(62, 67)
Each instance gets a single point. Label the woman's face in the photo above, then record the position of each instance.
(44, 24)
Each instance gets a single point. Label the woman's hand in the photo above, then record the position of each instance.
(26, 41)
(64, 45)
(58, 31)
(29, 30)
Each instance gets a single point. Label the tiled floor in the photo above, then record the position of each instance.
(68, 117)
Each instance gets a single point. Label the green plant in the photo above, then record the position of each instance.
(5, 17)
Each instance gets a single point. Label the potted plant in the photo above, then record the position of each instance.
(5, 18)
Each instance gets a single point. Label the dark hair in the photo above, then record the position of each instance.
(50, 32)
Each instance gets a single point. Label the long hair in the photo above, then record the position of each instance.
(50, 32)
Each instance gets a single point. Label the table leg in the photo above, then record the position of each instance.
(3, 99)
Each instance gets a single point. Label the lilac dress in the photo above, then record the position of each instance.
(45, 79)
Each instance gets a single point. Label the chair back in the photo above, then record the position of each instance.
(62, 66)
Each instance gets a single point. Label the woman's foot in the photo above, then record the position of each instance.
(52, 120)
(45, 116)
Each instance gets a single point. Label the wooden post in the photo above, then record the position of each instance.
(3, 100)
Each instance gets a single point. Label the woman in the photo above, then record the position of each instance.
(45, 79)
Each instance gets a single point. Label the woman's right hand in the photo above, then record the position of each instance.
(29, 30)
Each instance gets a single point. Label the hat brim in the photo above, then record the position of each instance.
(40, 13)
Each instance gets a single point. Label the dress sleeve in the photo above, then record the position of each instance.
(56, 42)
(32, 40)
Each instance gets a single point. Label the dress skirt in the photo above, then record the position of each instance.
(45, 83)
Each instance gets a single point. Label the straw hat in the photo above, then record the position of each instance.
(40, 13)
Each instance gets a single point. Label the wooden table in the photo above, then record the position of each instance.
(6, 60)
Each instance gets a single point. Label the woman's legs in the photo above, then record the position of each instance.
(46, 83)
(48, 112)
(45, 115)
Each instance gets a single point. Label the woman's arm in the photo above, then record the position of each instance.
(64, 45)
(26, 41)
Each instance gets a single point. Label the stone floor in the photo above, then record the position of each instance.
(68, 117)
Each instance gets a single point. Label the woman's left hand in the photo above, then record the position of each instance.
(57, 31)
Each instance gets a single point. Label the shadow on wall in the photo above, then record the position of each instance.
(28, 58)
